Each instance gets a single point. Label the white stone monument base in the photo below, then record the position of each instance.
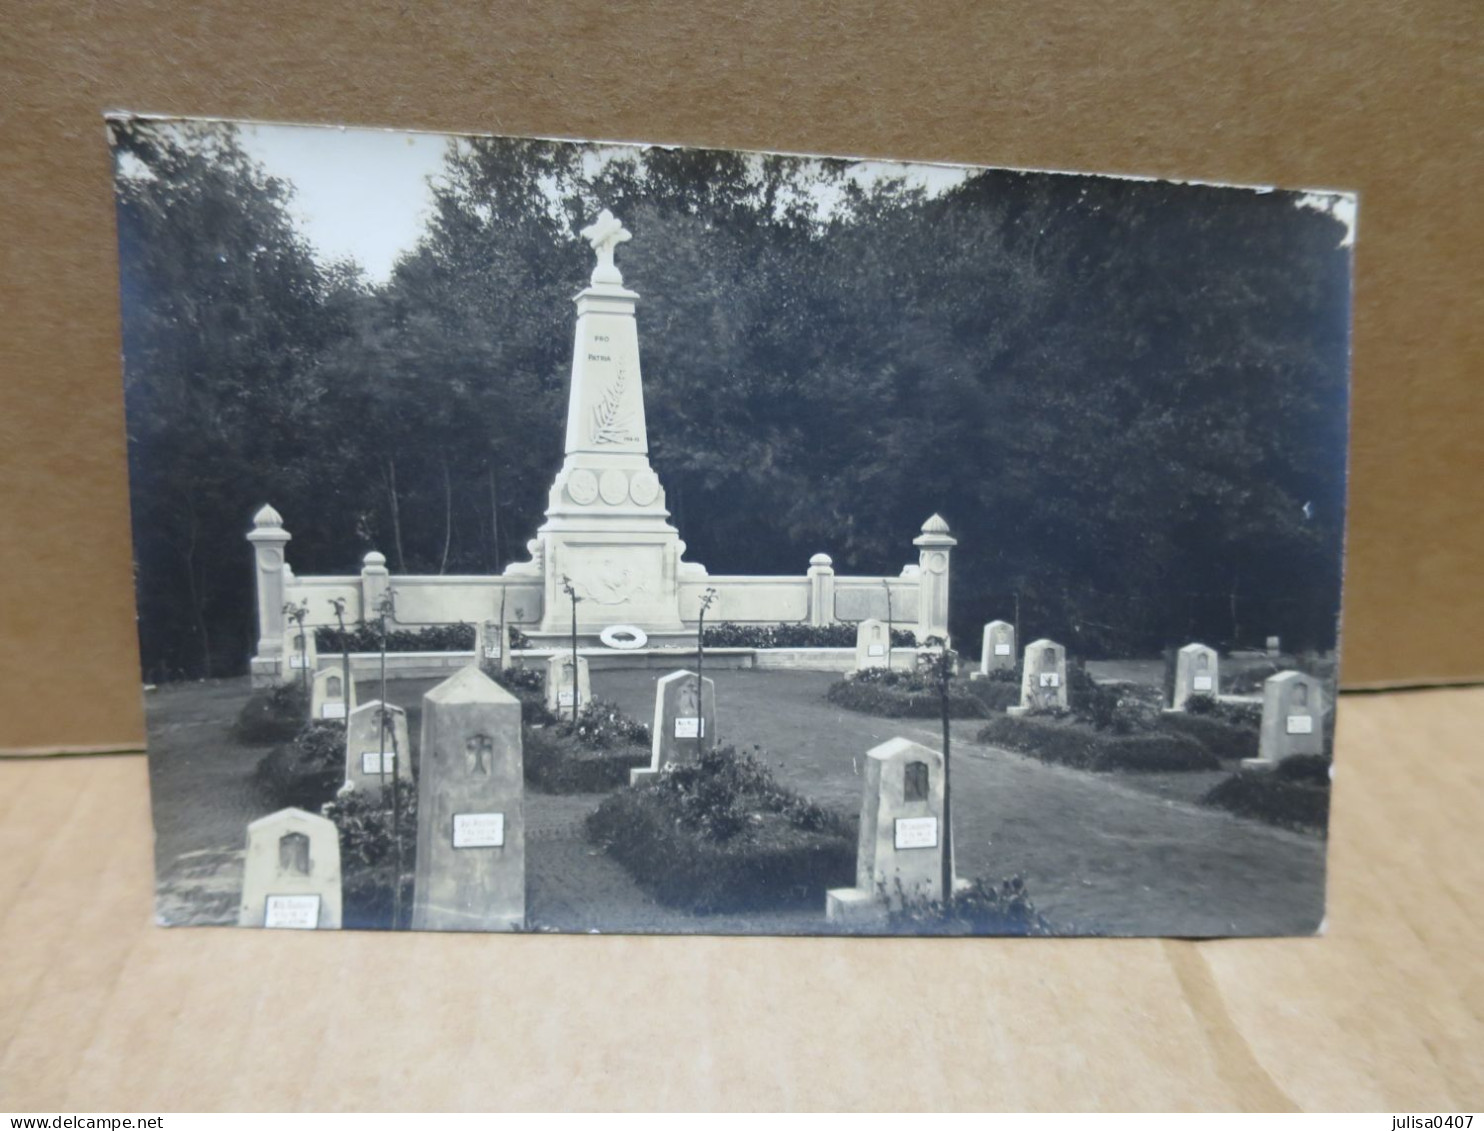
(852, 907)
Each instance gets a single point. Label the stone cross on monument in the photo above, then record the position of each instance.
(605, 234)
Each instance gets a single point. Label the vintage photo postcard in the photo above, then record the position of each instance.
(538, 535)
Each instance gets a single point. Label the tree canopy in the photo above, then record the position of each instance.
(1127, 398)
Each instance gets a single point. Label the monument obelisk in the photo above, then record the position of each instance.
(607, 528)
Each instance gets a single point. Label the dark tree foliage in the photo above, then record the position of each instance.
(1127, 398)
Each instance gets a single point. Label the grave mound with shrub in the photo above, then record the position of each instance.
(370, 830)
(1108, 727)
(272, 714)
(526, 684)
(722, 836)
(1293, 794)
(306, 771)
(592, 755)
(1227, 730)
(896, 693)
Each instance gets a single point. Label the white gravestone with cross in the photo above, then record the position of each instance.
(1292, 719)
(376, 746)
(999, 649)
(684, 723)
(471, 857)
(899, 857)
(566, 684)
(1197, 672)
(872, 644)
(330, 696)
(1043, 680)
(291, 873)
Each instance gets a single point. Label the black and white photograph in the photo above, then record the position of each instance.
(573, 536)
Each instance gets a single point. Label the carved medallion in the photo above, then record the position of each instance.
(614, 486)
(582, 487)
(644, 488)
(937, 562)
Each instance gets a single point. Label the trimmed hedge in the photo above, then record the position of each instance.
(1082, 747)
(728, 635)
(306, 772)
(365, 638)
(909, 695)
(722, 836)
(273, 714)
(1289, 797)
(1223, 739)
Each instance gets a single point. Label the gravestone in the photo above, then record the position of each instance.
(330, 698)
(900, 853)
(1197, 672)
(1292, 719)
(376, 746)
(999, 649)
(684, 723)
(291, 873)
(1043, 680)
(1274, 645)
(490, 644)
(561, 687)
(872, 645)
(300, 653)
(471, 857)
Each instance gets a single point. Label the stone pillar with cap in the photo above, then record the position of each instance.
(934, 544)
(821, 590)
(375, 581)
(268, 538)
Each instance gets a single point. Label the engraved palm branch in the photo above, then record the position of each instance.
(611, 424)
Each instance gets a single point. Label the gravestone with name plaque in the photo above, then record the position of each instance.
(300, 652)
(376, 746)
(999, 649)
(1197, 672)
(491, 645)
(291, 873)
(1292, 719)
(330, 696)
(684, 723)
(872, 644)
(899, 857)
(1043, 680)
(471, 861)
(563, 687)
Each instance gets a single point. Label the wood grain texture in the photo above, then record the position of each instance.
(100, 1010)
(1379, 97)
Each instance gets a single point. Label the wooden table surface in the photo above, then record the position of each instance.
(100, 1010)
